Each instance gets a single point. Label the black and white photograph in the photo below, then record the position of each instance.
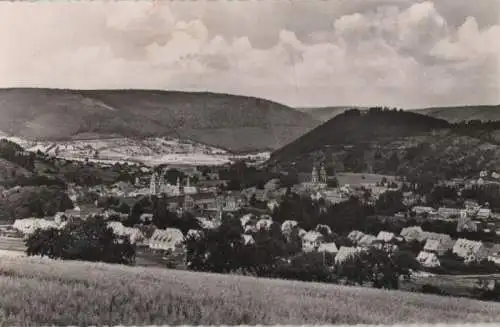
(250, 162)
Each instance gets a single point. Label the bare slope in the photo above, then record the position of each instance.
(465, 113)
(235, 123)
(77, 293)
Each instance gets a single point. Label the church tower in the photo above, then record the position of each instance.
(314, 175)
(323, 175)
(153, 184)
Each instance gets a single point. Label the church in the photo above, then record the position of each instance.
(318, 179)
(158, 186)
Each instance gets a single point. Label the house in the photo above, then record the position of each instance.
(288, 226)
(311, 241)
(346, 252)
(30, 225)
(367, 241)
(355, 236)
(420, 210)
(435, 246)
(470, 250)
(264, 224)
(483, 213)
(302, 232)
(206, 223)
(448, 212)
(328, 248)
(386, 237)
(494, 254)
(413, 233)
(248, 219)
(170, 239)
(195, 234)
(428, 259)
(134, 234)
(443, 238)
(324, 229)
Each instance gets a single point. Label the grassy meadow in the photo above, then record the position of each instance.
(37, 291)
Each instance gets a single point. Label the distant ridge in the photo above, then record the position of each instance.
(236, 123)
(463, 113)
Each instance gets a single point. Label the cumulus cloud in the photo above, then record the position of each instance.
(397, 53)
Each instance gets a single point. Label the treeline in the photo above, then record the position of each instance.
(30, 201)
(15, 153)
(274, 254)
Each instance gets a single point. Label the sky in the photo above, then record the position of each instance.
(301, 53)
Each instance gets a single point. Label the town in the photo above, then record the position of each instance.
(318, 216)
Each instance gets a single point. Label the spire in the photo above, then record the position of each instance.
(314, 174)
(153, 184)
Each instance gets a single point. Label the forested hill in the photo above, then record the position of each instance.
(391, 141)
(354, 126)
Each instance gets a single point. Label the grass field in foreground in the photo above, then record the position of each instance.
(37, 291)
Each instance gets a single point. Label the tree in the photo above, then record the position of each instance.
(218, 250)
(377, 267)
(88, 240)
(389, 203)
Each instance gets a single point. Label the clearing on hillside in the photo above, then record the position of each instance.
(40, 291)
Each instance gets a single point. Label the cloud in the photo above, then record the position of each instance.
(300, 53)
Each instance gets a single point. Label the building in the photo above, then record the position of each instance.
(170, 239)
(428, 259)
(264, 224)
(30, 225)
(413, 233)
(420, 210)
(355, 236)
(133, 234)
(483, 213)
(470, 250)
(448, 213)
(443, 238)
(494, 254)
(288, 226)
(311, 241)
(435, 246)
(386, 237)
(367, 241)
(328, 248)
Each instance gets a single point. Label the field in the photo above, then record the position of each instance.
(37, 291)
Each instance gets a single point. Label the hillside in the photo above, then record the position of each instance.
(465, 113)
(393, 142)
(58, 292)
(235, 123)
(324, 114)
